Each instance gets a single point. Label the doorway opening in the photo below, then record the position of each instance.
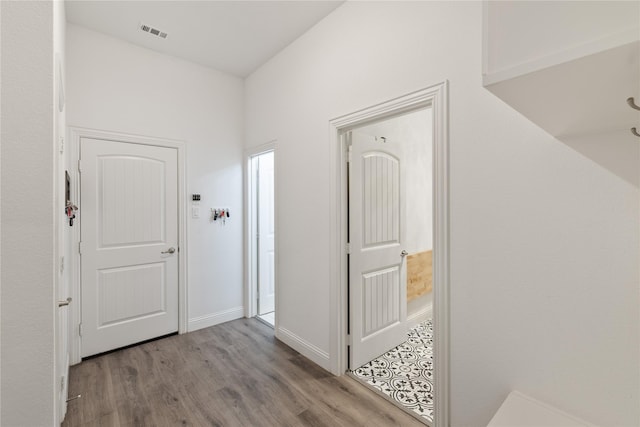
(367, 262)
(390, 231)
(262, 234)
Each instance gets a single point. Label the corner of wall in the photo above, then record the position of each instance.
(28, 332)
(305, 348)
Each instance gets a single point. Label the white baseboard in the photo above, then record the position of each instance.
(308, 350)
(215, 318)
(420, 316)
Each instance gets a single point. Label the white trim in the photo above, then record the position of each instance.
(409, 102)
(441, 247)
(261, 149)
(435, 97)
(621, 38)
(215, 318)
(519, 410)
(308, 350)
(250, 282)
(75, 311)
(420, 316)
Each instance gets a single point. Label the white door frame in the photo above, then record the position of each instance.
(75, 310)
(251, 276)
(435, 97)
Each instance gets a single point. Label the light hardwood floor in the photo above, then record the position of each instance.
(233, 374)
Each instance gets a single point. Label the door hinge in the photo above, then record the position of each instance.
(349, 142)
(349, 339)
(62, 383)
(80, 329)
(348, 248)
(79, 165)
(80, 247)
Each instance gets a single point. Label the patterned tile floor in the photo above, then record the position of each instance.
(405, 374)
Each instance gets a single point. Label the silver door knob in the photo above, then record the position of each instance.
(169, 251)
(404, 254)
(64, 303)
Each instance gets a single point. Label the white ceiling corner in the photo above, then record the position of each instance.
(235, 37)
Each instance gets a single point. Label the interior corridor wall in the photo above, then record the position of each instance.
(116, 86)
(544, 242)
(28, 245)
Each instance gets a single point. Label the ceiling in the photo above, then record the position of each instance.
(231, 36)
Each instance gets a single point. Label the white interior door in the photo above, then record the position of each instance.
(266, 233)
(377, 268)
(129, 233)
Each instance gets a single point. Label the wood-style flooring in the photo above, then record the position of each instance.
(233, 374)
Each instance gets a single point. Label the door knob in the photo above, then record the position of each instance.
(64, 303)
(169, 251)
(404, 253)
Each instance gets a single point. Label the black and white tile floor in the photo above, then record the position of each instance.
(405, 374)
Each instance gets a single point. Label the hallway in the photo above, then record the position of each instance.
(232, 374)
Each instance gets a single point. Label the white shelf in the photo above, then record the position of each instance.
(569, 67)
(581, 96)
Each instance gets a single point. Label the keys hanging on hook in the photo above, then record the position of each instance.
(220, 214)
(70, 211)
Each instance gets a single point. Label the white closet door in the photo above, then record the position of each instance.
(129, 233)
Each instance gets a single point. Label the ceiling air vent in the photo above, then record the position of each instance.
(156, 32)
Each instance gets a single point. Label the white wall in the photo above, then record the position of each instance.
(1, 117)
(544, 242)
(28, 206)
(516, 37)
(116, 86)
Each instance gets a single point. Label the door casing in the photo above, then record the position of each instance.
(436, 98)
(75, 134)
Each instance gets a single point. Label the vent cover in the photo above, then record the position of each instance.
(156, 32)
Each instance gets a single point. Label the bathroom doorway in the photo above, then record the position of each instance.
(435, 100)
(390, 181)
(262, 234)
